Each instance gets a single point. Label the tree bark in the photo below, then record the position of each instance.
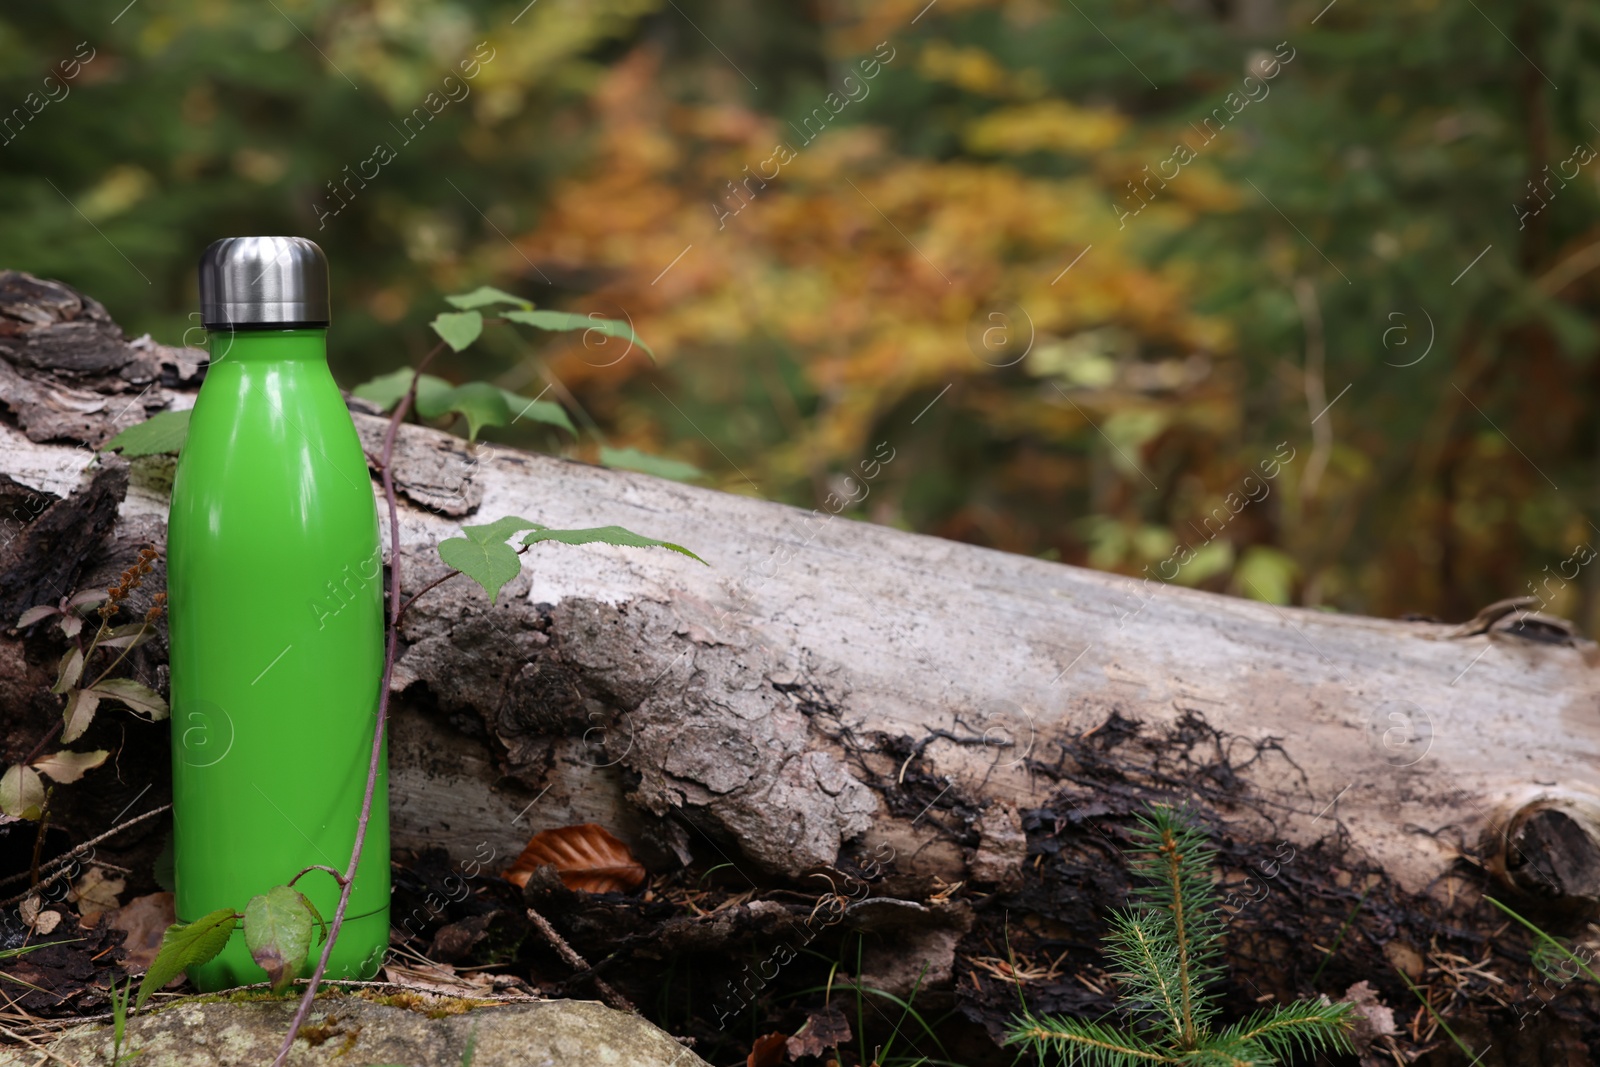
(828, 692)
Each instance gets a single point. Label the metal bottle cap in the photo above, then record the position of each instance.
(275, 283)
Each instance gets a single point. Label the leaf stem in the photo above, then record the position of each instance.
(317, 867)
(418, 596)
(38, 839)
(437, 581)
(129, 647)
(390, 501)
(48, 737)
(78, 641)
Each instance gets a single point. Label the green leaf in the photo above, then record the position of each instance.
(497, 531)
(65, 766)
(607, 535)
(316, 917)
(34, 614)
(78, 713)
(538, 411)
(458, 328)
(483, 554)
(1264, 573)
(23, 950)
(22, 792)
(434, 401)
(186, 945)
(631, 459)
(431, 392)
(160, 433)
(485, 295)
(491, 566)
(71, 670)
(277, 929)
(119, 1016)
(386, 389)
(567, 320)
(141, 698)
(128, 635)
(481, 403)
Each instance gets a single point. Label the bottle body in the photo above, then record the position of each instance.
(275, 579)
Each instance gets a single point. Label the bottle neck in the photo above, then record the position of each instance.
(268, 346)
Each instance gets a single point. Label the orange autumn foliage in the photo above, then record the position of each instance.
(873, 277)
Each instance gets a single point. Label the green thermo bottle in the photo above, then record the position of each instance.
(275, 578)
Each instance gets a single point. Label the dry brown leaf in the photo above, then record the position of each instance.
(1404, 957)
(437, 978)
(39, 919)
(95, 894)
(767, 1051)
(586, 857)
(823, 1030)
(1372, 1018)
(143, 919)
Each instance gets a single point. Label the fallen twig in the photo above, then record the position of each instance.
(37, 1047)
(67, 857)
(570, 956)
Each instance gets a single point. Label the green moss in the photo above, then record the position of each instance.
(349, 1041)
(434, 1007)
(315, 1034)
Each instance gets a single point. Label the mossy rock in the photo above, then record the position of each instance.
(362, 1031)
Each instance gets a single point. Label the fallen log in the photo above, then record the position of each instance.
(833, 696)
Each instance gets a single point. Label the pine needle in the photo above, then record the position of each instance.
(1168, 944)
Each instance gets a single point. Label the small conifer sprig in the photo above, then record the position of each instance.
(1167, 946)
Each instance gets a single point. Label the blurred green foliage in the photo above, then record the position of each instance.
(198, 119)
(1113, 333)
